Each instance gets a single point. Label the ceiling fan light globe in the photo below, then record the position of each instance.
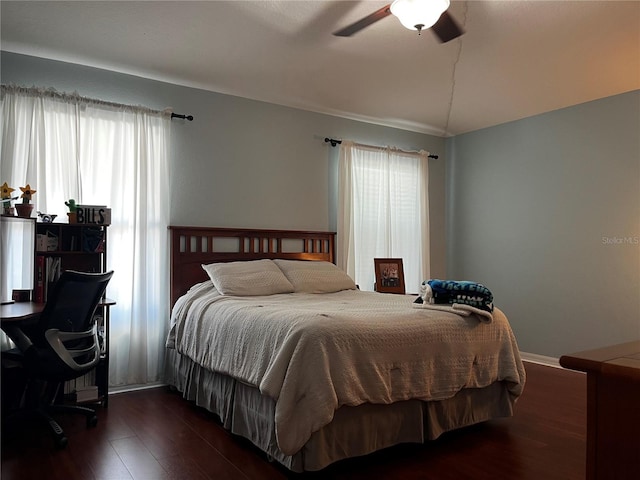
(412, 13)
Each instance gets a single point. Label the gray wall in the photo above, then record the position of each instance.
(536, 209)
(243, 163)
(546, 212)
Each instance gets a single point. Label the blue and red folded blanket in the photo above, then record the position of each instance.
(450, 292)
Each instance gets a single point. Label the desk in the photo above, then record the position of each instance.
(613, 409)
(20, 311)
(13, 315)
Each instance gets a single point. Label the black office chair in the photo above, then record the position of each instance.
(62, 346)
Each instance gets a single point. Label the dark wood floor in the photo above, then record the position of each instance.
(155, 434)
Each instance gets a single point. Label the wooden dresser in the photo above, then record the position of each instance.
(613, 409)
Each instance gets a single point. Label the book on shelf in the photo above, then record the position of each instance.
(82, 389)
(93, 240)
(48, 271)
(46, 242)
(98, 319)
(38, 294)
(87, 394)
(53, 271)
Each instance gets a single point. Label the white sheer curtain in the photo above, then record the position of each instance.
(98, 153)
(383, 212)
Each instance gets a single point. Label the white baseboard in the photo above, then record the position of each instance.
(541, 359)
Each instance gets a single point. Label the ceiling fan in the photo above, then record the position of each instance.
(415, 15)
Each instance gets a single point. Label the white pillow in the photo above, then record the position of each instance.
(315, 277)
(255, 277)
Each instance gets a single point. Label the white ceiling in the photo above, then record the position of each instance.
(517, 58)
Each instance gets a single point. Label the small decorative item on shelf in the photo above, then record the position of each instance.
(72, 210)
(5, 195)
(93, 214)
(21, 295)
(47, 217)
(25, 208)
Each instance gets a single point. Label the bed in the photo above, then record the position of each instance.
(279, 343)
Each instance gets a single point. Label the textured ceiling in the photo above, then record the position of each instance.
(517, 58)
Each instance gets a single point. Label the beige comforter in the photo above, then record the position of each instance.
(313, 353)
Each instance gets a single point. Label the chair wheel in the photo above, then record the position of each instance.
(92, 421)
(61, 443)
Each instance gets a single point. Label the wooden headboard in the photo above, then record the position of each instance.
(193, 246)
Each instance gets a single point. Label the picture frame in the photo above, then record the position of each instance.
(389, 275)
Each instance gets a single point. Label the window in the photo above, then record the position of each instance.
(383, 212)
(97, 153)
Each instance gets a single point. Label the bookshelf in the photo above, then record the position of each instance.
(65, 246)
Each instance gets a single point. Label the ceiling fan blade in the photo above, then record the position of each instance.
(364, 22)
(446, 28)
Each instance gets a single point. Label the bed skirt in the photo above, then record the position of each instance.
(354, 431)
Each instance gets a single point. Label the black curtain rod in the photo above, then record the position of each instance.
(335, 142)
(185, 117)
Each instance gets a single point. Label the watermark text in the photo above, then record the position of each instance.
(632, 240)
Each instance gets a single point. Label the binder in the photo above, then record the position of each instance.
(40, 279)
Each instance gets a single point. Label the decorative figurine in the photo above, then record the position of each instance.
(72, 214)
(6, 199)
(25, 208)
(47, 217)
